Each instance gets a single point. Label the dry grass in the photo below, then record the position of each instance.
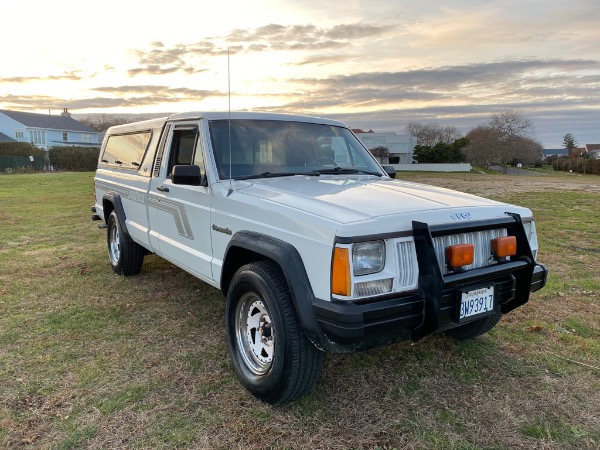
(89, 359)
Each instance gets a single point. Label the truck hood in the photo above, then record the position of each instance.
(358, 198)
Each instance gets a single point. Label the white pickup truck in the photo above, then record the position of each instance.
(314, 244)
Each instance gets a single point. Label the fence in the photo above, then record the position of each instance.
(10, 164)
(458, 167)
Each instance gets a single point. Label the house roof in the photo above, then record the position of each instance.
(591, 147)
(32, 120)
(5, 138)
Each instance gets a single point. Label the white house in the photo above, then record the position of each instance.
(400, 146)
(593, 150)
(44, 130)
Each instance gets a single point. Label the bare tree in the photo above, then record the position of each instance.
(483, 148)
(102, 122)
(510, 126)
(528, 150)
(430, 134)
(380, 152)
(489, 146)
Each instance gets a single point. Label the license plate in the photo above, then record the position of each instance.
(476, 302)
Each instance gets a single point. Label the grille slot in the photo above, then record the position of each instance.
(483, 248)
(408, 272)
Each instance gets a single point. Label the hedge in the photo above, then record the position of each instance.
(20, 149)
(74, 159)
(581, 165)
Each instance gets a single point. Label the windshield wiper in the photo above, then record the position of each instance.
(276, 174)
(344, 171)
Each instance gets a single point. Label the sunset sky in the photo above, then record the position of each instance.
(373, 64)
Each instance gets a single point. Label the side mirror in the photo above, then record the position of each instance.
(390, 171)
(188, 175)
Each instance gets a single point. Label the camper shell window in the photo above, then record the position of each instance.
(126, 150)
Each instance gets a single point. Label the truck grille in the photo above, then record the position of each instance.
(480, 239)
(408, 274)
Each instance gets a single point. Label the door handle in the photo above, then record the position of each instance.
(163, 189)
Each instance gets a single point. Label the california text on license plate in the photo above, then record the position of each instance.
(478, 301)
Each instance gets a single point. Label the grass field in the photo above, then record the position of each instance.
(89, 359)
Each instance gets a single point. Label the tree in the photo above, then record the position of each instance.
(510, 124)
(489, 146)
(570, 144)
(528, 151)
(428, 135)
(102, 122)
(504, 138)
(441, 152)
(483, 147)
(380, 152)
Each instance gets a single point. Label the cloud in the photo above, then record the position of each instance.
(518, 81)
(115, 96)
(161, 60)
(74, 75)
(158, 90)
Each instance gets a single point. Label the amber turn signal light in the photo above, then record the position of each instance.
(340, 272)
(504, 246)
(460, 255)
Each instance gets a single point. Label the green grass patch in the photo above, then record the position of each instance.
(89, 359)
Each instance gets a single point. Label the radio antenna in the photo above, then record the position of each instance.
(229, 121)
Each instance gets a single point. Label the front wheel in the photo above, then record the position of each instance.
(126, 256)
(272, 356)
(475, 328)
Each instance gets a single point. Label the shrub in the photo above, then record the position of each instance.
(581, 165)
(20, 149)
(74, 159)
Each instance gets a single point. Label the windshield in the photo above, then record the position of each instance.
(267, 148)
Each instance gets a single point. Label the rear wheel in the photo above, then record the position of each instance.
(272, 356)
(126, 256)
(475, 328)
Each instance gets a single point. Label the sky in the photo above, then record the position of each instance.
(375, 64)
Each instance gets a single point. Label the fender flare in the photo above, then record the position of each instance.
(289, 260)
(115, 199)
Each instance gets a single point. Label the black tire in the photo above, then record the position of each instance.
(476, 328)
(272, 356)
(126, 256)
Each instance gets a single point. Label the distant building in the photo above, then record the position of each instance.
(400, 146)
(45, 131)
(555, 152)
(593, 150)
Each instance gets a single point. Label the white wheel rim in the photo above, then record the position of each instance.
(114, 245)
(254, 334)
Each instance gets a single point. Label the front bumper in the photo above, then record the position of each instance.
(353, 326)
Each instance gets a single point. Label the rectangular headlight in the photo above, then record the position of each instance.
(368, 257)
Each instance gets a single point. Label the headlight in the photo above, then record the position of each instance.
(368, 257)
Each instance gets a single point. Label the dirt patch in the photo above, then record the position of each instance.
(494, 185)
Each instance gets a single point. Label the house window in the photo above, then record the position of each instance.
(86, 138)
(38, 137)
(65, 136)
(19, 134)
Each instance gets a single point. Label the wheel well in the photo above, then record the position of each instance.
(236, 258)
(108, 208)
